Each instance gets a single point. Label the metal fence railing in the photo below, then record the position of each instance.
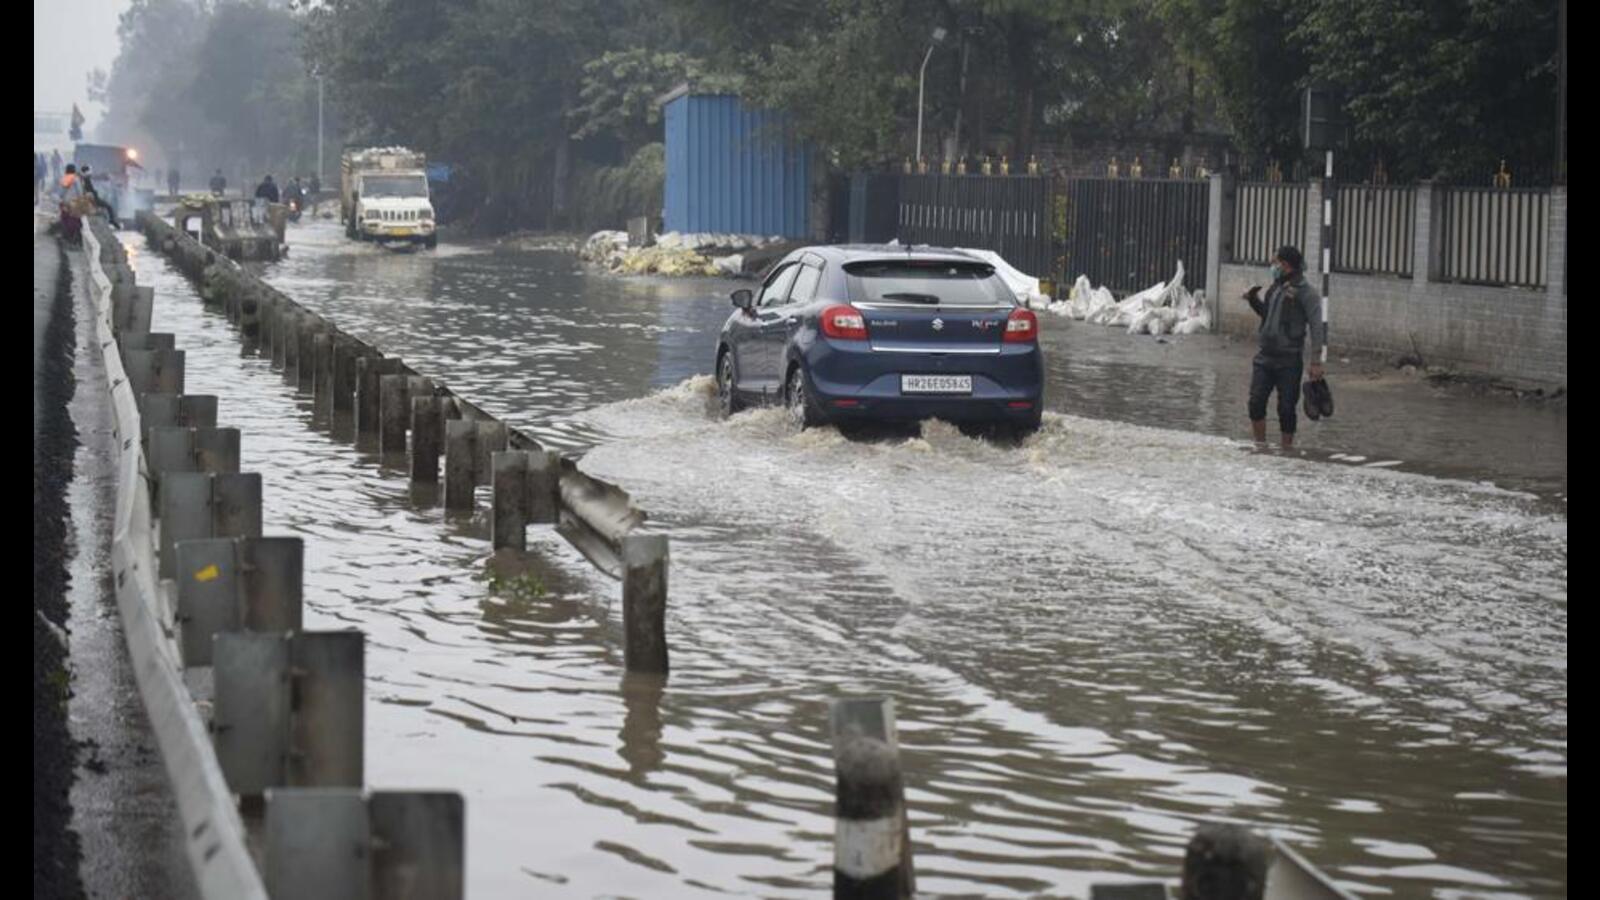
(1375, 229)
(1267, 216)
(1009, 214)
(1494, 236)
(1130, 233)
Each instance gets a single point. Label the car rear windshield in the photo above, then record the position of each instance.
(933, 282)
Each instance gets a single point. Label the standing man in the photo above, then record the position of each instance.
(267, 190)
(172, 181)
(55, 166)
(219, 184)
(38, 174)
(1291, 310)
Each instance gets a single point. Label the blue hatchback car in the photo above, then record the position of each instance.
(883, 333)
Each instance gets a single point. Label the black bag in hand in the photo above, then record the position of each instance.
(1318, 399)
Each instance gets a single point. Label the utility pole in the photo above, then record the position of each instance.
(938, 35)
(321, 174)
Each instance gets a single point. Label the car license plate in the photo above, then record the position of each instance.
(401, 232)
(935, 384)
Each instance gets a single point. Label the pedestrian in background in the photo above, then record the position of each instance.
(172, 181)
(1291, 310)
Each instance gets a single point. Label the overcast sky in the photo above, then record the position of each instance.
(70, 38)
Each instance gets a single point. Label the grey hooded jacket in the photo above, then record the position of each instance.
(1290, 311)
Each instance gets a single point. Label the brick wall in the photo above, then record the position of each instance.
(1511, 333)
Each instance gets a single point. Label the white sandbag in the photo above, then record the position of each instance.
(729, 265)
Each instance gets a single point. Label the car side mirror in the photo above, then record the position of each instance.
(743, 299)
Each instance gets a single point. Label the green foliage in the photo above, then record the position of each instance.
(523, 587)
(613, 194)
(619, 92)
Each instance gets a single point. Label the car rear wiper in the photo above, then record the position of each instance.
(914, 298)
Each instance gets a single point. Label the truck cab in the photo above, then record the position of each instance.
(385, 197)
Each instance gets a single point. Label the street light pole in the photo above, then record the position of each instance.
(938, 35)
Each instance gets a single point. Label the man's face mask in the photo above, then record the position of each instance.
(1277, 271)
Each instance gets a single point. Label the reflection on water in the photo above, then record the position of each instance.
(1094, 640)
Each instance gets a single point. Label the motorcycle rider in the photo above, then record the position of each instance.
(295, 197)
(267, 190)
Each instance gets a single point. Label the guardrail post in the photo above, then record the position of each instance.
(182, 449)
(201, 505)
(345, 354)
(460, 460)
(249, 315)
(1140, 890)
(394, 412)
(544, 488)
(310, 327)
(370, 371)
(174, 411)
(279, 331)
(322, 354)
(291, 347)
(335, 844)
(644, 602)
(289, 709)
(508, 513)
(1225, 862)
(492, 438)
(427, 432)
(318, 844)
(420, 839)
(154, 371)
(139, 310)
(147, 340)
(872, 838)
(237, 584)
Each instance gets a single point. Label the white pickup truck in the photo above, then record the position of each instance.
(384, 196)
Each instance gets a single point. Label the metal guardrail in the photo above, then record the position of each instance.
(213, 830)
(243, 702)
(389, 400)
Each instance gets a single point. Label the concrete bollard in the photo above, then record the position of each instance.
(201, 505)
(859, 850)
(460, 460)
(427, 435)
(369, 369)
(394, 413)
(1225, 862)
(289, 709)
(1134, 890)
(154, 371)
(323, 353)
(249, 316)
(492, 438)
(508, 510)
(544, 488)
(867, 847)
(644, 603)
(231, 584)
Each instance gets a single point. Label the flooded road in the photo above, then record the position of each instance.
(1095, 640)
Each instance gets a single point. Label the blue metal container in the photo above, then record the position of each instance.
(734, 170)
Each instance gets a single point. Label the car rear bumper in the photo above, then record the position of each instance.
(849, 380)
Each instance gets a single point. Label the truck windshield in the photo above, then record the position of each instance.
(933, 282)
(394, 186)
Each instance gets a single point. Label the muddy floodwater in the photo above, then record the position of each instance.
(1095, 640)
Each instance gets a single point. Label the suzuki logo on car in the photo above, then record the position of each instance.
(938, 324)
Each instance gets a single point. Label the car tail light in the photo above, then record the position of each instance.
(844, 322)
(1022, 327)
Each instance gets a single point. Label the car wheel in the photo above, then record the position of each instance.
(802, 409)
(432, 241)
(727, 398)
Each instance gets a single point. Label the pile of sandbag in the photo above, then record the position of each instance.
(1159, 309)
(605, 247)
(659, 260)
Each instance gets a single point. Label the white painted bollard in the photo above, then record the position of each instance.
(872, 848)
